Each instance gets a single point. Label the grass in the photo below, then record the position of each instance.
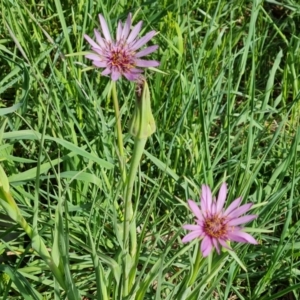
(226, 109)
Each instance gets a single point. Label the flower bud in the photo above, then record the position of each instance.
(142, 124)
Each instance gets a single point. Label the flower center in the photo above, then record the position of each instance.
(121, 60)
(215, 226)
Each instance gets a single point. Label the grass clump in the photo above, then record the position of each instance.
(226, 107)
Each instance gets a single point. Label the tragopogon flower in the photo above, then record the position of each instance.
(216, 225)
(120, 57)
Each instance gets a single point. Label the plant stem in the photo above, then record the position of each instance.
(196, 266)
(129, 222)
(119, 132)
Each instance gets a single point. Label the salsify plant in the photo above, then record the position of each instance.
(121, 57)
(215, 225)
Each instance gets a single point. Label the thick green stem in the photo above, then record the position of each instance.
(119, 132)
(197, 264)
(141, 127)
(129, 222)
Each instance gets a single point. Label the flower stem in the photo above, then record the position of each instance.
(197, 264)
(129, 222)
(119, 132)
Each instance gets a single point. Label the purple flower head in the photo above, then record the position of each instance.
(216, 225)
(121, 57)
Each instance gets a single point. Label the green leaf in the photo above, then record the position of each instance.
(33, 135)
(23, 286)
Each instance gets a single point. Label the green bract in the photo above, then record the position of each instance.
(142, 124)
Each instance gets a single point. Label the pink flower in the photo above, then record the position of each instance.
(216, 225)
(120, 57)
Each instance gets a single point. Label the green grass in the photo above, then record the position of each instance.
(227, 108)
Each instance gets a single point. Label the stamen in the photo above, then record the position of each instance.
(215, 226)
(121, 60)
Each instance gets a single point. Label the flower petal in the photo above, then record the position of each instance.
(206, 200)
(131, 76)
(135, 31)
(242, 237)
(134, 74)
(239, 211)
(191, 227)
(146, 63)
(206, 246)
(98, 51)
(126, 28)
(195, 209)
(119, 31)
(136, 70)
(142, 41)
(216, 245)
(213, 209)
(91, 42)
(105, 29)
(100, 64)
(147, 51)
(232, 206)
(191, 236)
(224, 244)
(99, 38)
(241, 220)
(106, 71)
(115, 75)
(93, 56)
(221, 197)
